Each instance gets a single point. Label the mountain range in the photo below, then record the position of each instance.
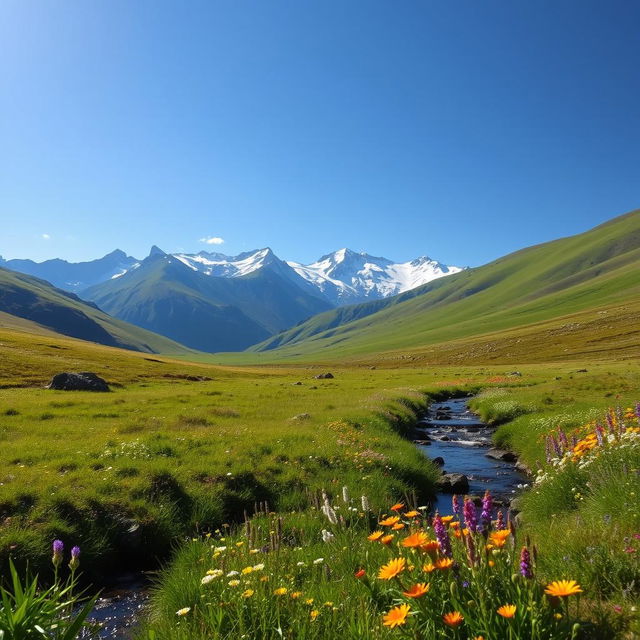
(213, 302)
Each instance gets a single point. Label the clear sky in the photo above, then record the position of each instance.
(461, 130)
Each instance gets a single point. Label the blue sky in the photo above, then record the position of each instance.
(462, 130)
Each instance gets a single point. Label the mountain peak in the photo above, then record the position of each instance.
(156, 251)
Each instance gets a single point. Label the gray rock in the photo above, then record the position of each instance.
(324, 376)
(453, 483)
(82, 381)
(302, 416)
(501, 454)
(438, 461)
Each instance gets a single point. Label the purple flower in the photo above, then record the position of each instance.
(75, 552)
(500, 522)
(58, 549)
(58, 546)
(562, 436)
(470, 515)
(525, 564)
(638, 411)
(487, 508)
(600, 435)
(75, 558)
(455, 503)
(442, 536)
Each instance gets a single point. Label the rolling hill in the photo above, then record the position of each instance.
(34, 305)
(598, 268)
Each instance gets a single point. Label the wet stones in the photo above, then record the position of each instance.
(453, 483)
(501, 454)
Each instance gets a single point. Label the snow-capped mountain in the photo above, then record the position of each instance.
(347, 277)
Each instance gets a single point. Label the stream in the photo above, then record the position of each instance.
(451, 431)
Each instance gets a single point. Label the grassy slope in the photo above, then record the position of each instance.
(595, 269)
(38, 303)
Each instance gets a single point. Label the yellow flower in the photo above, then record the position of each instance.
(183, 612)
(563, 588)
(392, 569)
(398, 506)
(396, 616)
(247, 570)
(418, 590)
(328, 604)
(280, 591)
(507, 610)
(498, 538)
(375, 536)
(309, 601)
(416, 539)
(296, 594)
(444, 563)
(248, 593)
(397, 526)
(412, 514)
(446, 519)
(314, 614)
(453, 619)
(387, 539)
(429, 567)
(234, 583)
(390, 521)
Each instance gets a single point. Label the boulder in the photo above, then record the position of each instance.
(439, 461)
(83, 381)
(453, 483)
(501, 454)
(324, 376)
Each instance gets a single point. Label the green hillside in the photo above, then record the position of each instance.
(205, 312)
(597, 268)
(35, 305)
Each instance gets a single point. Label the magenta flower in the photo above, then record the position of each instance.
(525, 564)
(487, 508)
(470, 515)
(442, 537)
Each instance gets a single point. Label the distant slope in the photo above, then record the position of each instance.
(599, 267)
(203, 311)
(38, 304)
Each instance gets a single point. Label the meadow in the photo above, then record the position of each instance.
(180, 450)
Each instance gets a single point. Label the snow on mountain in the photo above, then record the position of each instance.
(221, 266)
(347, 277)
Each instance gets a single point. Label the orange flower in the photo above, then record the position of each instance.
(398, 506)
(563, 588)
(498, 538)
(453, 619)
(398, 526)
(417, 590)
(444, 563)
(454, 524)
(390, 521)
(507, 610)
(416, 539)
(412, 514)
(375, 536)
(392, 569)
(446, 519)
(387, 539)
(396, 616)
(431, 546)
(429, 567)
(360, 573)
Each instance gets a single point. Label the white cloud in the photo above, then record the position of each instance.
(46, 236)
(211, 240)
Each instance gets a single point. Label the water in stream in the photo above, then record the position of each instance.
(466, 441)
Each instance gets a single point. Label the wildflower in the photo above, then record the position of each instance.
(453, 619)
(416, 539)
(183, 611)
(392, 569)
(345, 494)
(220, 549)
(398, 506)
(233, 573)
(470, 515)
(246, 571)
(525, 563)
(396, 616)
(314, 614)
(300, 564)
(248, 593)
(309, 601)
(442, 536)
(75, 555)
(234, 583)
(360, 573)
(455, 504)
(430, 547)
(207, 579)
(444, 563)
(318, 561)
(417, 590)
(328, 604)
(428, 567)
(330, 513)
(498, 538)
(563, 588)
(258, 567)
(375, 536)
(507, 610)
(280, 591)
(387, 539)
(296, 594)
(216, 573)
(390, 521)
(500, 520)
(58, 549)
(487, 507)
(365, 503)
(397, 526)
(327, 536)
(412, 514)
